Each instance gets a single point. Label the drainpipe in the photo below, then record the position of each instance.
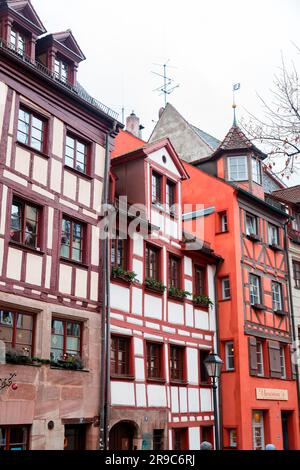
(291, 305)
(218, 267)
(104, 411)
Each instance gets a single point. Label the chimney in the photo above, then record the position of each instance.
(133, 125)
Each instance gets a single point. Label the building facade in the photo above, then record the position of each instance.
(162, 323)
(258, 389)
(52, 160)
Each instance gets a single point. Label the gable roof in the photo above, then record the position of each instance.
(209, 139)
(126, 142)
(145, 150)
(237, 140)
(67, 39)
(25, 9)
(288, 195)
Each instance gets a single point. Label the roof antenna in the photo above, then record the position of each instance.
(236, 87)
(168, 87)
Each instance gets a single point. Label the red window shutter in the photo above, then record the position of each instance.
(252, 356)
(274, 359)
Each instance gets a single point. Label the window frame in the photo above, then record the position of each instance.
(254, 172)
(227, 346)
(173, 202)
(283, 362)
(8, 429)
(124, 243)
(44, 131)
(261, 362)
(258, 287)
(172, 257)
(128, 374)
(65, 322)
(279, 293)
(182, 360)
(72, 221)
(277, 238)
(206, 380)
(223, 288)
(18, 35)
(24, 204)
(13, 344)
(200, 269)
(58, 75)
(160, 359)
(157, 195)
(222, 226)
(248, 215)
(296, 273)
(87, 155)
(156, 250)
(260, 426)
(230, 170)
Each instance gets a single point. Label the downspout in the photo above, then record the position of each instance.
(218, 267)
(104, 411)
(291, 305)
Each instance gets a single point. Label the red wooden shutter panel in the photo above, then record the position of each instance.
(252, 356)
(274, 359)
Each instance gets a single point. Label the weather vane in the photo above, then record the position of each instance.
(169, 84)
(236, 87)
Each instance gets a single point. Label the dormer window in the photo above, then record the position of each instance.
(170, 196)
(17, 41)
(156, 188)
(238, 168)
(61, 70)
(256, 171)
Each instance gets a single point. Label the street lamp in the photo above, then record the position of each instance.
(213, 364)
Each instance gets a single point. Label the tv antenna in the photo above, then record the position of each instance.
(169, 83)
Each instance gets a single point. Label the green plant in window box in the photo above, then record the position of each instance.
(155, 285)
(202, 300)
(178, 293)
(69, 362)
(15, 356)
(128, 276)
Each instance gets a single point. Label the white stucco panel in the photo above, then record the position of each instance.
(56, 172)
(193, 400)
(140, 390)
(22, 161)
(119, 297)
(122, 393)
(188, 267)
(201, 319)
(176, 313)
(84, 196)
(70, 183)
(137, 267)
(139, 369)
(14, 264)
(205, 398)
(138, 245)
(192, 365)
(1, 254)
(183, 399)
(34, 269)
(174, 400)
(58, 138)
(99, 160)
(157, 395)
(40, 170)
(137, 301)
(65, 278)
(189, 315)
(94, 286)
(81, 283)
(138, 347)
(194, 438)
(169, 165)
(153, 307)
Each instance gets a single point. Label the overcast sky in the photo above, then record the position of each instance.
(212, 44)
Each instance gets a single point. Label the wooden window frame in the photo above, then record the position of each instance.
(58, 75)
(277, 240)
(157, 251)
(160, 359)
(222, 227)
(179, 271)
(256, 161)
(184, 438)
(65, 321)
(261, 426)
(280, 292)
(182, 360)
(239, 179)
(157, 196)
(87, 155)
(19, 35)
(296, 271)
(8, 434)
(38, 237)
(228, 356)
(254, 217)
(33, 114)
(15, 313)
(260, 352)
(283, 364)
(128, 361)
(115, 245)
(223, 289)
(73, 221)
(203, 381)
(251, 275)
(197, 270)
(173, 202)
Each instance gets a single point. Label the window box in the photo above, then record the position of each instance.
(258, 306)
(126, 276)
(178, 294)
(15, 357)
(275, 247)
(254, 237)
(202, 301)
(155, 286)
(281, 313)
(70, 363)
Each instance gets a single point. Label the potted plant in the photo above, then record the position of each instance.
(202, 300)
(178, 293)
(120, 273)
(69, 362)
(14, 356)
(155, 285)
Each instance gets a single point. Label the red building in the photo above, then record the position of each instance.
(258, 389)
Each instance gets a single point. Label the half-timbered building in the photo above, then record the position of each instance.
(163, 319)
(54, 138)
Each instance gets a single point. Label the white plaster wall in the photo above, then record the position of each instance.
(205, 398)
(174, 400)
(50, 227)
(157, 395)
(40, 170)
(65, 278)
(84, 195)
(140, 395)
(94, 286)
(98, 186)
(1, 254)
(175, 313)
(119, 297)
(22, 161)
(201, 319)
(194, 438)
(138, 347)
(138, 245)
(81, 283)
(171, 227)
(122, 393)
(34, 269)
(137, 301)
(95, 246)
(153, 307)
(169, 165)
(189, 315)
(192, 365)
(56, 173)
(3, 97)
(14, 264)
(70, 182)
(183, 399)
(3, 210)
(137, 267)
(193, 394)
(139, 369)
(8, 151)
(99, 160)
(58, 136)
(188, 266)
(48, 271)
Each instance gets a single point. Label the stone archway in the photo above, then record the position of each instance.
(122, 435)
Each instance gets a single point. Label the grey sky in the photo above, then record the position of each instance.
(213, 44)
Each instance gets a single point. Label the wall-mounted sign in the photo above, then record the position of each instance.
(272, 394)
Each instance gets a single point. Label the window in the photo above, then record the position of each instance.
(232, 438)
(156, 188)
(17, 41)
(76, 154)
(296, 221)
(255, 289)
(170, 196)
(282, 362)
(16, 330)
(61, 70)
(296, 266)
(251, 225)
(226, 293)
(158, 439)
(154, 361)
(174, 272)
(204, 377)
(180, 437)
(256, 171)
(199, 281)
(120, 356)
(24, 223)
(277, 296)
(176, 363)
(258, 430)
(238, 168)
(65, 339)
(118, 253)
(31, 130)
(229, 354)
(273, 234)
(72, 240)
(14, 438)
(152, 263)
(260, 358)
(223, 222)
